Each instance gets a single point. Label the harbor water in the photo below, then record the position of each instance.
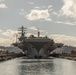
(21, 66)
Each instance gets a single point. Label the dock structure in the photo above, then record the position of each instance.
(4, 55)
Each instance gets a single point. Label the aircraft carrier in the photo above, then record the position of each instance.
(35, 47)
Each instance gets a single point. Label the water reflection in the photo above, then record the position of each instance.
(36, 68)
(25, 67)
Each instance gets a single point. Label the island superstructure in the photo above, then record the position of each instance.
(35, 47)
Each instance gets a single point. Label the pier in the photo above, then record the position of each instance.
(6, 57)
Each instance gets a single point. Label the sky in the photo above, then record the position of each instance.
(54, 18)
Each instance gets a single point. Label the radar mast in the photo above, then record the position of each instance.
(22, 31)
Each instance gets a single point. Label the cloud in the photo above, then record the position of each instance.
(66, 22)
(67, 40)
(33, 28)
(7, 37)
(54, 13)
(42, 7)
(36, 29)
(31, 2)
(22, 12)
(9, 33)
(3, 6)
(69, 8)
(0, 31)
(48, 19)
(50, 6)
(5, 42)
(37, 7)
(39, 14)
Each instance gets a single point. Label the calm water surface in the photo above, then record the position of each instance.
(21, 66)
